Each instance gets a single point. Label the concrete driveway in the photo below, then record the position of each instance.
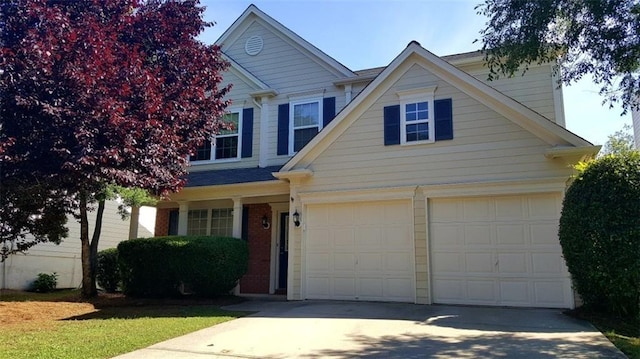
(319, 329)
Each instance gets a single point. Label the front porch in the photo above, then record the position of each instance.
(255, 211)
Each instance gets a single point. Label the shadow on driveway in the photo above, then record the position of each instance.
(328, 329)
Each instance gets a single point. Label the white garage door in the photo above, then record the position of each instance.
(498, 251)
(360, 251)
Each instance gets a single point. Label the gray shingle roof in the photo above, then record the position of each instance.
(231, 176)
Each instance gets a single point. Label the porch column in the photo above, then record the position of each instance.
(237, 217)
(183, 218)
(134, 222)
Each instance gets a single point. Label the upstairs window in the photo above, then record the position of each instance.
(306, 122)
(223, 146)
(417, 117)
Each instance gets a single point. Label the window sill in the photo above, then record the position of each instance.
(417, 143)
(211, 162)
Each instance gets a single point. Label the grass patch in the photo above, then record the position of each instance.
(34, 327)
(623, 332)
(20, 296)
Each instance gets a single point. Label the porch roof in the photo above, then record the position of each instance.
(231, 176)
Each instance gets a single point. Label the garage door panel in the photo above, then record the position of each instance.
(509, 208)
(514, 293)
(477, 209)
(368, 262)
(545, 233)
(444, 236)
(400, 262)
(448, 262)
(369, 236)
(343, 238)
(548, 263)
(512, 263)
(543, 207)
(480, 263)
(319, 263)
(478, 234)
(550, 293)
(482, 291)
(507, 255)
(371, 254)
(511, 234)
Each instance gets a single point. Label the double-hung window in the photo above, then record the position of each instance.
(417, 116)
(306, 121)
(210, 222)
(225, 145)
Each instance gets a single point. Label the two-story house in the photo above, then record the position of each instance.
(417, 182)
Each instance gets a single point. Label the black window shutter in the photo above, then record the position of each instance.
(247, 133)
(443, 119)
(283, 129)
(392, 125)
(328, 110)
(173, 222)
(245, 223)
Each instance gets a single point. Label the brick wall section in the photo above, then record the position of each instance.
(162, 222)
(257, 278)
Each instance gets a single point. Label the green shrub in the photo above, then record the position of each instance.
(157, 267)
(108, 274)
(45, 283)
(600, 233)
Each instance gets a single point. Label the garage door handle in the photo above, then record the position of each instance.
(497, 262)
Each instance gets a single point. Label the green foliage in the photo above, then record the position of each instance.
(130, 196)
(108, 273)
(601, 38)
(620, 142)
(600, 233)
(45, 282)
(157, 267)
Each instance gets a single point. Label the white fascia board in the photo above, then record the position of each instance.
(249, 78)
(523, 116)
(299, 41)
(568, 151)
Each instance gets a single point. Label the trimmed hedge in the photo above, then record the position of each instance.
(108, 275)
(600, 233)
(160, 266)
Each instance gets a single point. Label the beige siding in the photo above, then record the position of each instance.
(534, 89)
(64, 259)
(486, 147)
(286, 69)
(420, 239)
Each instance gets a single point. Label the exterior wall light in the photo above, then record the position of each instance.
(265, 222)
(296, 219)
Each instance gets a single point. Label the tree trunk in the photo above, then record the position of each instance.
(94, 244)
(88, 285)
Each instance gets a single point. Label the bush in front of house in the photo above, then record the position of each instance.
(108, 274)
(45, 282)
(159, 267)
(600, 233)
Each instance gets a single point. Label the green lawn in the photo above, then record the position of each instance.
(17, 296)
(102, 333)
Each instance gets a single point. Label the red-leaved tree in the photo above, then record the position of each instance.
(104, 92)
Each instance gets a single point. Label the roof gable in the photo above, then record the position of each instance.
(253, 14)
(546, 130)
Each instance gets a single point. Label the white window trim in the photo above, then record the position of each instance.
(414, 96)
(292, 128)
(213, 144)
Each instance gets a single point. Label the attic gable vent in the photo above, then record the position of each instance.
(253, 46)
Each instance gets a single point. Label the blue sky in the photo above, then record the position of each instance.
(363, 34)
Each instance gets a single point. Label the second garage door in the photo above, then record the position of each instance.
(498, 251)
(360, 251)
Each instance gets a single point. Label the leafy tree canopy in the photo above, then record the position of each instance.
(101, 93)
(601, 38)
(621, 142)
